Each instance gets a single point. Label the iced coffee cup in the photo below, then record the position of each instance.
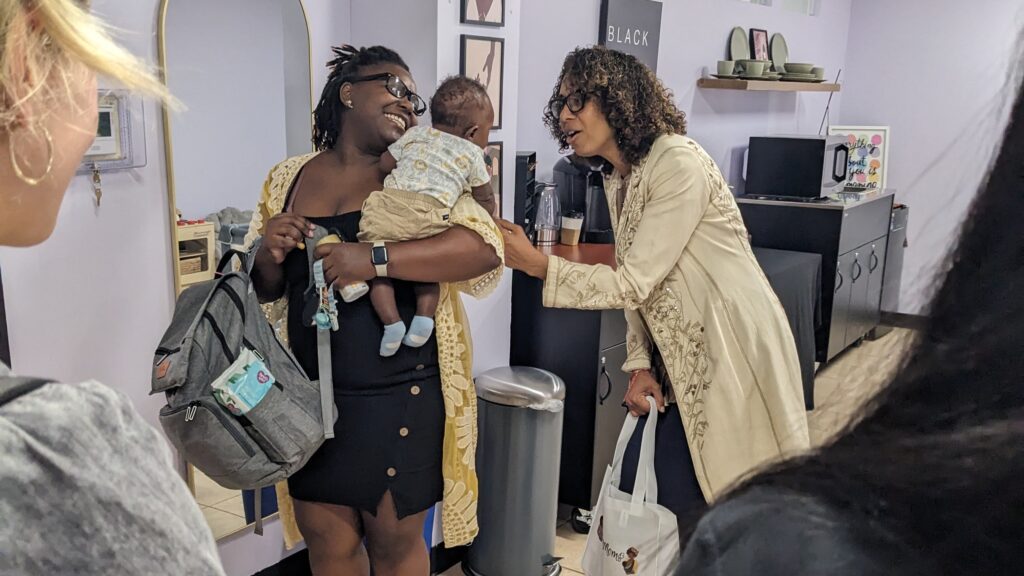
(572, 227)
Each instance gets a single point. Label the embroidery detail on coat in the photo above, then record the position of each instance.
(637, 349)
(681, 342)
(458, 510)
(682, 347)
(571, 279)
(632, 209)
(721, 196)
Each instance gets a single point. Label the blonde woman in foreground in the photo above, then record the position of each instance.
(86, 485)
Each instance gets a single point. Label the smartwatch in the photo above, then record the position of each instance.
(379, 258)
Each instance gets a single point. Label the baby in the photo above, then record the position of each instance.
(430, 169)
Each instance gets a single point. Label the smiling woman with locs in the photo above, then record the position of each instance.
(406, 426)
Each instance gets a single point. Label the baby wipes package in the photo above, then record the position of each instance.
(244, 384)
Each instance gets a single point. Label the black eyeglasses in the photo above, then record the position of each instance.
(575, 101)
(398, 89)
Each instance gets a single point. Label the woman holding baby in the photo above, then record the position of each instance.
(405, 436)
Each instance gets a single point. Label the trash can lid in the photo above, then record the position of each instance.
(520, 386)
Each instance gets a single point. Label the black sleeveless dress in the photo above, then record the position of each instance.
(390, 427)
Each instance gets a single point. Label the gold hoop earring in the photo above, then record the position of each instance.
(20, 173)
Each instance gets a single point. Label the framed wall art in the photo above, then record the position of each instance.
(483, 12)
(495, 151)
(483, 59)
(759, 44)
(869, 155)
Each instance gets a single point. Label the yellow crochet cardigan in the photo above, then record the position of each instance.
(455, 352)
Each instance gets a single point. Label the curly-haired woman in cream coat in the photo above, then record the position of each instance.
(706, 337)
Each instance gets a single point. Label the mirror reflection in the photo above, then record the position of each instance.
(241, 67)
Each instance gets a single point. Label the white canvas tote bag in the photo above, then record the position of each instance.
(632, 534)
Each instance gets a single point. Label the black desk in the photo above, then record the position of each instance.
(796, 279)
(852, 237)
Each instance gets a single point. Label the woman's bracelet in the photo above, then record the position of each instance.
(636, 373)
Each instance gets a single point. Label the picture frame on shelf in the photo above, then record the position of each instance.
(869, 155)
(759, 44)
(496, 153)
(483, 59)
(483, 12)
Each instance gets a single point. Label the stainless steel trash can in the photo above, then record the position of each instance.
(518, 456)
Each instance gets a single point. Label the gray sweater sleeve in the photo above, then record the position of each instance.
(88, 487)
(771, 534)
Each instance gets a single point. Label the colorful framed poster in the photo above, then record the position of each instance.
(869, 155)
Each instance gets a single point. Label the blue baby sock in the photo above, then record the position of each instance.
(392, 341)
(419, 332)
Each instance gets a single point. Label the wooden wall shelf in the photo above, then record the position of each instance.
(766, 85)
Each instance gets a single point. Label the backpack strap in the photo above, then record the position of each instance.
(326, 321)
(257, 506)
(13, 387)
(225, 260)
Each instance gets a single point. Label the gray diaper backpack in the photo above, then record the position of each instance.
(213, 323)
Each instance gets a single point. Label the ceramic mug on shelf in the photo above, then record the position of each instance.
(726, 67)
(753, 69)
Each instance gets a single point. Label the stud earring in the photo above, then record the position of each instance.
(349, 104)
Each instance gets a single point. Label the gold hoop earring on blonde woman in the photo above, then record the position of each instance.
(20, 172)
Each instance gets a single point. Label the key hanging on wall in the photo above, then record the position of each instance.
(97, 184)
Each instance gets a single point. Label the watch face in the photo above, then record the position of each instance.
(379, 255)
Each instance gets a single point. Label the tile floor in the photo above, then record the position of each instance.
(840, 388)
(222, 507)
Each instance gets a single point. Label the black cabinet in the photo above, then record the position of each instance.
(856, 304)
(876, 252)
(587, 350)
(851, 238)
(609, 415)
(842, 295)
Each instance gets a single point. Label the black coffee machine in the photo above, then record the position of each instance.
(581, 189)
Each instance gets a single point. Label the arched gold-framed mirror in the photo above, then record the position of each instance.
(243, 69)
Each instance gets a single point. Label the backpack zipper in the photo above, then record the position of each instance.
(239, 437)
(164, 354)
(192, 408)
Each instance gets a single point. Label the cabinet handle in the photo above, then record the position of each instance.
(874, 261)
(608, 380)
(839, 273)
(859, 270)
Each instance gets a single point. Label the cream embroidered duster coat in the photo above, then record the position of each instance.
(685, 268)
(455, 357)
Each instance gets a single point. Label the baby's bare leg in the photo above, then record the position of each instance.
(382, 295)
(427, 298)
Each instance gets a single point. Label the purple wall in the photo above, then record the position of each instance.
(939, 78)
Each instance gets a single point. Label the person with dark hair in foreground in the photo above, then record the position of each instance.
(927, 480)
